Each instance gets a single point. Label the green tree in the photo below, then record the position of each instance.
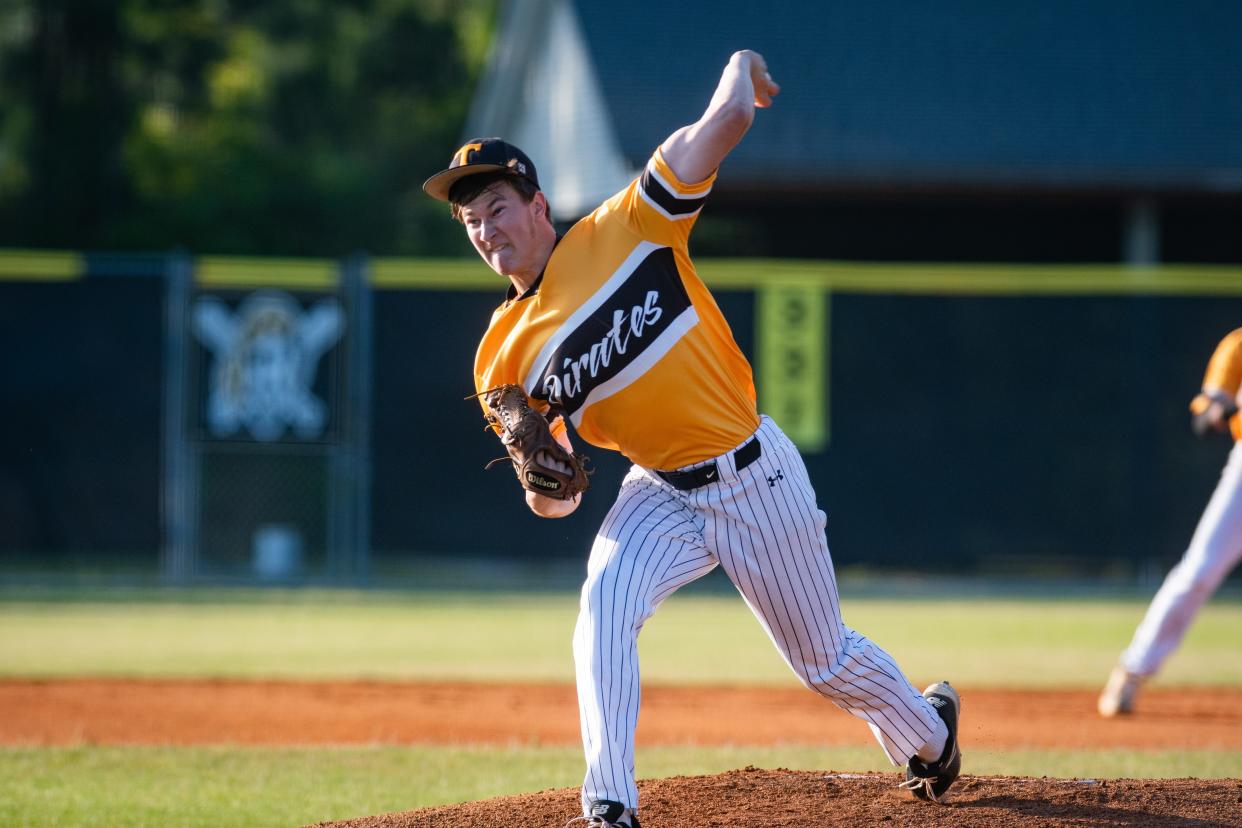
(300, 127)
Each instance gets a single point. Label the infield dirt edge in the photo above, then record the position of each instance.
(759, 798)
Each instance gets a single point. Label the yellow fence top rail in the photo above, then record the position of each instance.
(977, 279)
(917, 278)
(41, 265)
(870, 277)
(435, 274)
(244, 272)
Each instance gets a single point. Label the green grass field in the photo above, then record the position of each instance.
(695, 638)
(702, 637)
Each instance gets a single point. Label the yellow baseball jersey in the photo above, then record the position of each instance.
(622, 338)
(1224, 374)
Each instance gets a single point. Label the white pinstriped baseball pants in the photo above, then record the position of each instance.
(1215, 549)
(763, 526)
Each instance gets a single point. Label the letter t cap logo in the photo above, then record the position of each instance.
(463, 154)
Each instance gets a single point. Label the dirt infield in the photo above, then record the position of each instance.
(174, 712)
(105, 711)
(754, 798)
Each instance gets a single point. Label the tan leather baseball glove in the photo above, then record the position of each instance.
(542, 464)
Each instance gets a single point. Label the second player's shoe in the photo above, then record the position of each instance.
(607, 814)
(931, 780)
(1117, 698)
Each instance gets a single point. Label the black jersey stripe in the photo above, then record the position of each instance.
(615, 335)
(671, 203)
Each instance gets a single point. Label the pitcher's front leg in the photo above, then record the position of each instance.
(648, 546)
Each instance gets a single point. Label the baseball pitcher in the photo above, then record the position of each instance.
(1215, 548)
(608, 328)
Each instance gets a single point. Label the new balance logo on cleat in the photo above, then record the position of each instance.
(606, 814)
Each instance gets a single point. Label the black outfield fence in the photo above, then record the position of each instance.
(278, 420)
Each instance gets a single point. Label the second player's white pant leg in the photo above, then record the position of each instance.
(1214, 550)
(649, 545)
(765, 528)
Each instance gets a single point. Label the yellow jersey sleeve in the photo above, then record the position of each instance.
(1224, 371)
(659, 206)
(1222, 380)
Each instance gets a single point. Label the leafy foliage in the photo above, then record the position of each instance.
(292, 127)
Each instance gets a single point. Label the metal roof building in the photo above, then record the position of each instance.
(1129, 101)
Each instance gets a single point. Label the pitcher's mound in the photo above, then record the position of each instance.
(756, 798)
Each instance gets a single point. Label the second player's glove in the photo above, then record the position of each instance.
(542, 464)
(1209, 413)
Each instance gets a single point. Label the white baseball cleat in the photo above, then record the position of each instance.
(1117, 698)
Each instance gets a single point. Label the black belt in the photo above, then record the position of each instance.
(693, 478)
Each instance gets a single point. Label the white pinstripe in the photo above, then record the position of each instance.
(769, 537)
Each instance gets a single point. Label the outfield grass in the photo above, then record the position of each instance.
(1024, 641)
(213, 787)
(693, 639)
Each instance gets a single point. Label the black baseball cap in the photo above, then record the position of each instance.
(480, 156)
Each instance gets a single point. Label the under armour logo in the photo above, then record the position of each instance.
(772, 480)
